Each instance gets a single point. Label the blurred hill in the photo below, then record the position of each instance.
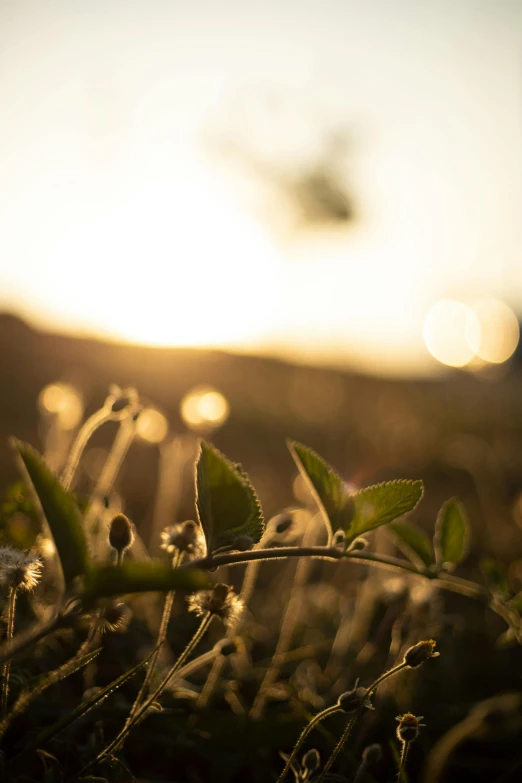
(461, 433)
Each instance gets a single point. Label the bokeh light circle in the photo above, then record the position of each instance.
(64, 401)
(498, 333)
(204, 407)
(152, 426)
(450, 330)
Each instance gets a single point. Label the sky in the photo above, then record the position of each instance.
(118, 218)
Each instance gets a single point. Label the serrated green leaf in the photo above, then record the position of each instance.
(495, 574)
(382, 503)
(327, 487)
(414, 542)
(226, 501)
(451, 533)
(61, 512)
(107, 580)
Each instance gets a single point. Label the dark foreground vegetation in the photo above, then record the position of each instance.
(357, 630)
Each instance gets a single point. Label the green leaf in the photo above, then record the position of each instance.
(451, 533)
(382, 503)
(226, 501)
(132, 577)
(414, 542)
(51, 731)
(327, 487)
(495, 574)
(61, 512)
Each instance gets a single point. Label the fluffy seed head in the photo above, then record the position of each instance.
(408, 728)
(221, 601)
(420, 652)
(184, 537)
(116, 618)
(121, 534)
(19, 570)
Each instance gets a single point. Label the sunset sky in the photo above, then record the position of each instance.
(118, 217)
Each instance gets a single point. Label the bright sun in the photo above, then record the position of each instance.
(173, 263)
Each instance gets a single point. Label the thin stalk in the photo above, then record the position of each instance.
(91, 425)
(81, 658)
(247, 588)
(118, 741)
(7, 665)
(401, 775)
(120, 447)
(304, 734)
(361, 772)
(162, 636)
(351, 723)
(288, 624)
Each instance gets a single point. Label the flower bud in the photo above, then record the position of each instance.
(420, 652)
(408, 728)
(121, 534)
(358, 544)
(339, 538)
(311, 761)
(352, 700)
(227, 647)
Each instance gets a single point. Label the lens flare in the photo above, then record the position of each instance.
(152, 426)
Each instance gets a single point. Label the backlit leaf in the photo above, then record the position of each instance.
(451, 533)
(382, 503)
(226, 501)
(132, 577)
(61, 512)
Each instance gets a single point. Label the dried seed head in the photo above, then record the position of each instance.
(116, 618)
(121, 534)
(243, 543)
(184, 537)
(408, 728)
(420, 652)
(372, 754)
(19, 570)
(352, 700)
(221, 601)
(311, 761)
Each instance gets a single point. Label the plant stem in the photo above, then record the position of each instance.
(351, 723)
(304, 734)
(7, 664)
(83, 437)
(288, 624)
(401, 775)
(118, 741)
(446, 581)
(162, 636)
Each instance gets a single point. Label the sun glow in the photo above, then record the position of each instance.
(173, 263)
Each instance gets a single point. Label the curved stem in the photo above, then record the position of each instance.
(91, 425)
(304, 734)
(162, 636)
(351, 723)
(446, 581)
(7, 665)
(118, 741)
(361, 772)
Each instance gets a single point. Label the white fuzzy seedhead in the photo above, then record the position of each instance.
(19, 570)
(221, 601)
